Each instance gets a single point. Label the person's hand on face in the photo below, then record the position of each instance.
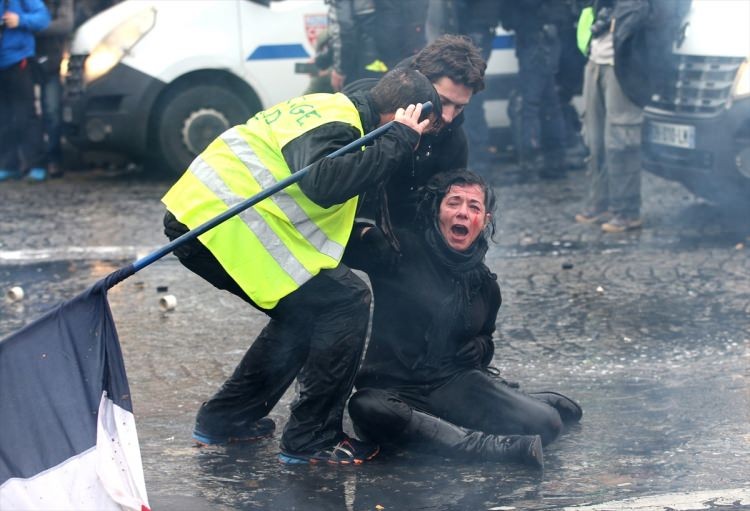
(463, 216)
(410, 117)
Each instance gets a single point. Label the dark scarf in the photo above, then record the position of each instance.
(467, 271)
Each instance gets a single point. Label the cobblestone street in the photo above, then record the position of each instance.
(648, 330)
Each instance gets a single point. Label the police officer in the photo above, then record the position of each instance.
(369, 37)
(537, 117)
(478, 19)
(283, 256)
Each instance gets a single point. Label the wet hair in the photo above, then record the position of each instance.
(402, 87)
(454, 56)
(432, 194)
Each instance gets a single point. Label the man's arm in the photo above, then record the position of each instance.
(335, 180)
(369, 250)
(342, 34)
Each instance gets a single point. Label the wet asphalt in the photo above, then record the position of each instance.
(649, 331)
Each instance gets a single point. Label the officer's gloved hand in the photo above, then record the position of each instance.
(376, 241)
(476, 352)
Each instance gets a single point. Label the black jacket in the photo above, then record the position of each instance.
(335, 180)
(407, 300)
(401, 29)
(446, 150)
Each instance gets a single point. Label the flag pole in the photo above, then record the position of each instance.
(263, 194)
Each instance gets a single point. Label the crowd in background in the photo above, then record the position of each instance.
(564, 48)
(33, 38)
(545, 125)
(365, 38)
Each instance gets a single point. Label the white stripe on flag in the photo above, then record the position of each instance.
(108, 476)
(119, 456)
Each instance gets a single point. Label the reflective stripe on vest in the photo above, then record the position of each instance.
(271, 249)
(252, 219)
(282, 199)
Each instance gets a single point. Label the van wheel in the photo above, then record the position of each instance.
(191, 119)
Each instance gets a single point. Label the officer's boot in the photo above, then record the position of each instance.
(553, 164)
(430, 434)
(569, 410)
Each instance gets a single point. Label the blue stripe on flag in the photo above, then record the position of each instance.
(52, 374)
(278, 51)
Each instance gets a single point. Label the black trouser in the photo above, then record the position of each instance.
(542, 126)
(20, 126)
(471, 399)
(315, 334)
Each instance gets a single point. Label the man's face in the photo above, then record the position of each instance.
(462, 216)
(453, 97)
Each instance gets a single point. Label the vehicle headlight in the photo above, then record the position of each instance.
(64, 66)
(117, 44)
(742, 81)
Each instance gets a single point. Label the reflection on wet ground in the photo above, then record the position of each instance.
(649, 331)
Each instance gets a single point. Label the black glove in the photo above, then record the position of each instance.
(374, 239)
(476, 352)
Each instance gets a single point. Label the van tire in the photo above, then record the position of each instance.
(190, 119)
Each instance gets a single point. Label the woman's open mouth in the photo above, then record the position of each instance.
(459, 230)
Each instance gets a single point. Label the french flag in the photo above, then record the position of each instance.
(67, 433)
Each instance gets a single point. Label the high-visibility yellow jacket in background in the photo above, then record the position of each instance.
(274, 247)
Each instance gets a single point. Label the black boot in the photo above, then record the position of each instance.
(569, 410)
(553, 166)
(431, 434)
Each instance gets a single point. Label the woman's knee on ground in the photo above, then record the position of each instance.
(546, 423)
(379, 414)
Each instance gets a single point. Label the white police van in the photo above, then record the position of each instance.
(697, 131)
(157, 80)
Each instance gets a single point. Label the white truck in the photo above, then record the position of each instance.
(697, 130)
(157, 80)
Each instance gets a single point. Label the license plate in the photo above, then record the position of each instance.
(675, 135)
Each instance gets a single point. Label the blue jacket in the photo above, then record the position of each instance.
(17, 43)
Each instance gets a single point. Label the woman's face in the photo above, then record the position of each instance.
(462, 216)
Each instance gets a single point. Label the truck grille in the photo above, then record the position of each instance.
(74, 77)
(699, 85)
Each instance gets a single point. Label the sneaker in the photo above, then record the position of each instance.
(262, 428)
(622, 224)
(5, 175)
(593, 216)
(37, 174)
(348, 451)
(54, 170)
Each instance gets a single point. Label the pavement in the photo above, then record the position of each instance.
(648, 330)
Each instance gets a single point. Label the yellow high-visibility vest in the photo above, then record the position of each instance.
(583, 32)
(274, 247)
